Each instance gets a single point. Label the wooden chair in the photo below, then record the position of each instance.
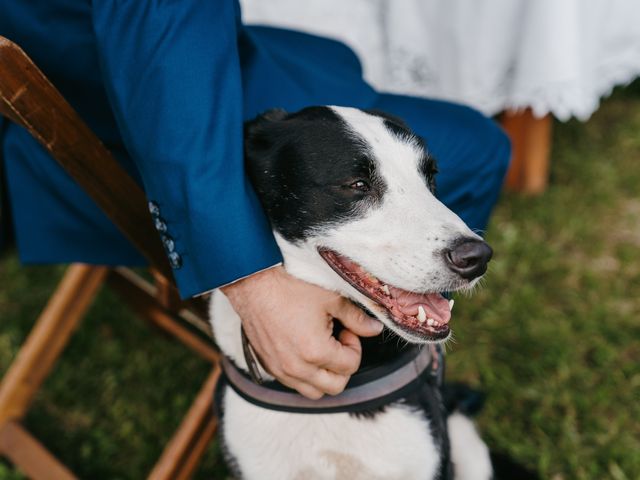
(30, 100)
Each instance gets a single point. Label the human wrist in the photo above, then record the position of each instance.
(240, 283)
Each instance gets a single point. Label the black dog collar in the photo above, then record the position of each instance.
(368, 389)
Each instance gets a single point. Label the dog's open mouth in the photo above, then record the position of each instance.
(425, 315)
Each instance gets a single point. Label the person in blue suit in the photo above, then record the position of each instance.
(167, 85)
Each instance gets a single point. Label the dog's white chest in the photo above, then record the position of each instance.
(267, 444)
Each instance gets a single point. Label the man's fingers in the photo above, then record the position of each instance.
(350, 340)
(308, 391)
(346, 353)
(354, 319)
(314, 376)
(321, 382)
(318, 383)
(329, 382)
(303, 388)
(309, 379)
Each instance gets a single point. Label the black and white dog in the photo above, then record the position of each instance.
(350, 195)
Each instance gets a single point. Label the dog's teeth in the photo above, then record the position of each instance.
(422, 315)
(431, 322)
(385, 289)
(451, 302)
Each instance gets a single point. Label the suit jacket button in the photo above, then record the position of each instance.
(160, 225)
(175, 260)
(168, 243)
(154, 209)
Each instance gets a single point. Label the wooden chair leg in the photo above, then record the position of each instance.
(166, 294)
(22, 449)
(46, 342)
(141, 297)
(531, 140)
(182, 454)
(47, 339)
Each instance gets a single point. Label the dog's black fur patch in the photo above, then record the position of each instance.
(286, 158)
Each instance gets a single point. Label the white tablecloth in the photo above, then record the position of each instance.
(558, 56)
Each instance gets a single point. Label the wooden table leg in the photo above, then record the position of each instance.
(141, 297)
(531, 141)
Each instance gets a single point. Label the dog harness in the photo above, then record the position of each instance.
(368, 389)
(417, 373)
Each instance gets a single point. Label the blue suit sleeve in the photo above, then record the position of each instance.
(172, 74)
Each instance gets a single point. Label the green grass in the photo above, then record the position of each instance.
(553, 336)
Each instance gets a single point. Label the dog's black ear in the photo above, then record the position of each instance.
(263, 137)
(265, 118)
(274, 115)
(261, 132)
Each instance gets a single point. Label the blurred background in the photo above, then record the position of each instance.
(552, 337)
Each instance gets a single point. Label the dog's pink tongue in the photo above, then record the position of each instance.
(434, 304)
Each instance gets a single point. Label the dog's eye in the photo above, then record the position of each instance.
(360, 185)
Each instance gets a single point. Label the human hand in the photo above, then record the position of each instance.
(289, 323)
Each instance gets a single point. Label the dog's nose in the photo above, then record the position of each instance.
(469, 258)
